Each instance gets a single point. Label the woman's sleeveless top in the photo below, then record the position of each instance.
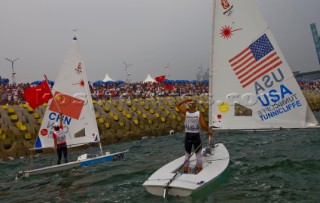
(61, 137)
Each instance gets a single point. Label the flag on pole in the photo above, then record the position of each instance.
(67, 105)
(36, 96)
(160, 78)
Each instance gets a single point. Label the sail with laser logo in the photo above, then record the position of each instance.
(251, 83)
(72, 98)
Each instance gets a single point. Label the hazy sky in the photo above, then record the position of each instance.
(150, 34)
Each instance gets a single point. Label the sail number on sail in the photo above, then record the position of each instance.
(276, 101)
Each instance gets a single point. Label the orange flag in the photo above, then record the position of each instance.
(36, 96)
(67, 105)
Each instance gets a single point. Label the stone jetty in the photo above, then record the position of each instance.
(118, 120)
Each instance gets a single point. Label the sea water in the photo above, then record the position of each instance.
(278, 166)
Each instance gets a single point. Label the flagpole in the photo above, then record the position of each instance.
(54, 99)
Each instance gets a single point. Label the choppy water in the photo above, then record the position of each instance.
(280, 166)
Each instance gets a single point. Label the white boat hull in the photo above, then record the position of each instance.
(66, 166)
(185, 184)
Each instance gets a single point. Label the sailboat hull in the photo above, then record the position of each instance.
(67, 166)
(184, 184)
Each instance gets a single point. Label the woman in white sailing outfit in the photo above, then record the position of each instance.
(193, 120)
(60, 141)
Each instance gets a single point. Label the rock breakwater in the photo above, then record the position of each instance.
(118, 120)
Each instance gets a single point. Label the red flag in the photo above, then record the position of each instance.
(160, 78)
(67, 105)
(36, 96)
(168, 87)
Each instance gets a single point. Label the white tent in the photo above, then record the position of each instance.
(149, 79)
(107, 78)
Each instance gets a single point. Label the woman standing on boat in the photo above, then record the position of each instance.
(60, 141)
(193, 120)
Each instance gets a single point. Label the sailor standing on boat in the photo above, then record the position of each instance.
(60, 141)
(193, 120)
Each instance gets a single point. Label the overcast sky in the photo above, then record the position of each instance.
(150, 34)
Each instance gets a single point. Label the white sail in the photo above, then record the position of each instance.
(252, 85)
(72, 93)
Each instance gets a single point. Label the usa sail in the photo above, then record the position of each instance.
(251, 83)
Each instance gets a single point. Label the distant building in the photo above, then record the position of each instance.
(316, 39)
(206, 75)
(307, 76)
(202, 75)
(199, 77)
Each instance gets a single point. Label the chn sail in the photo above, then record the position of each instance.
(251, 83)
(72, 97)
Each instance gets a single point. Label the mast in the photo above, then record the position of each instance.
(90, 103)
(211, 70)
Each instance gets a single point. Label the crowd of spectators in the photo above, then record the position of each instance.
(13, 94)
(309, 85)
(147, 90)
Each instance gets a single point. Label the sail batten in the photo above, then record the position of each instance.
(251, 84)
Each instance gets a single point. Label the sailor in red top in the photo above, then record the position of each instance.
(60, 141)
